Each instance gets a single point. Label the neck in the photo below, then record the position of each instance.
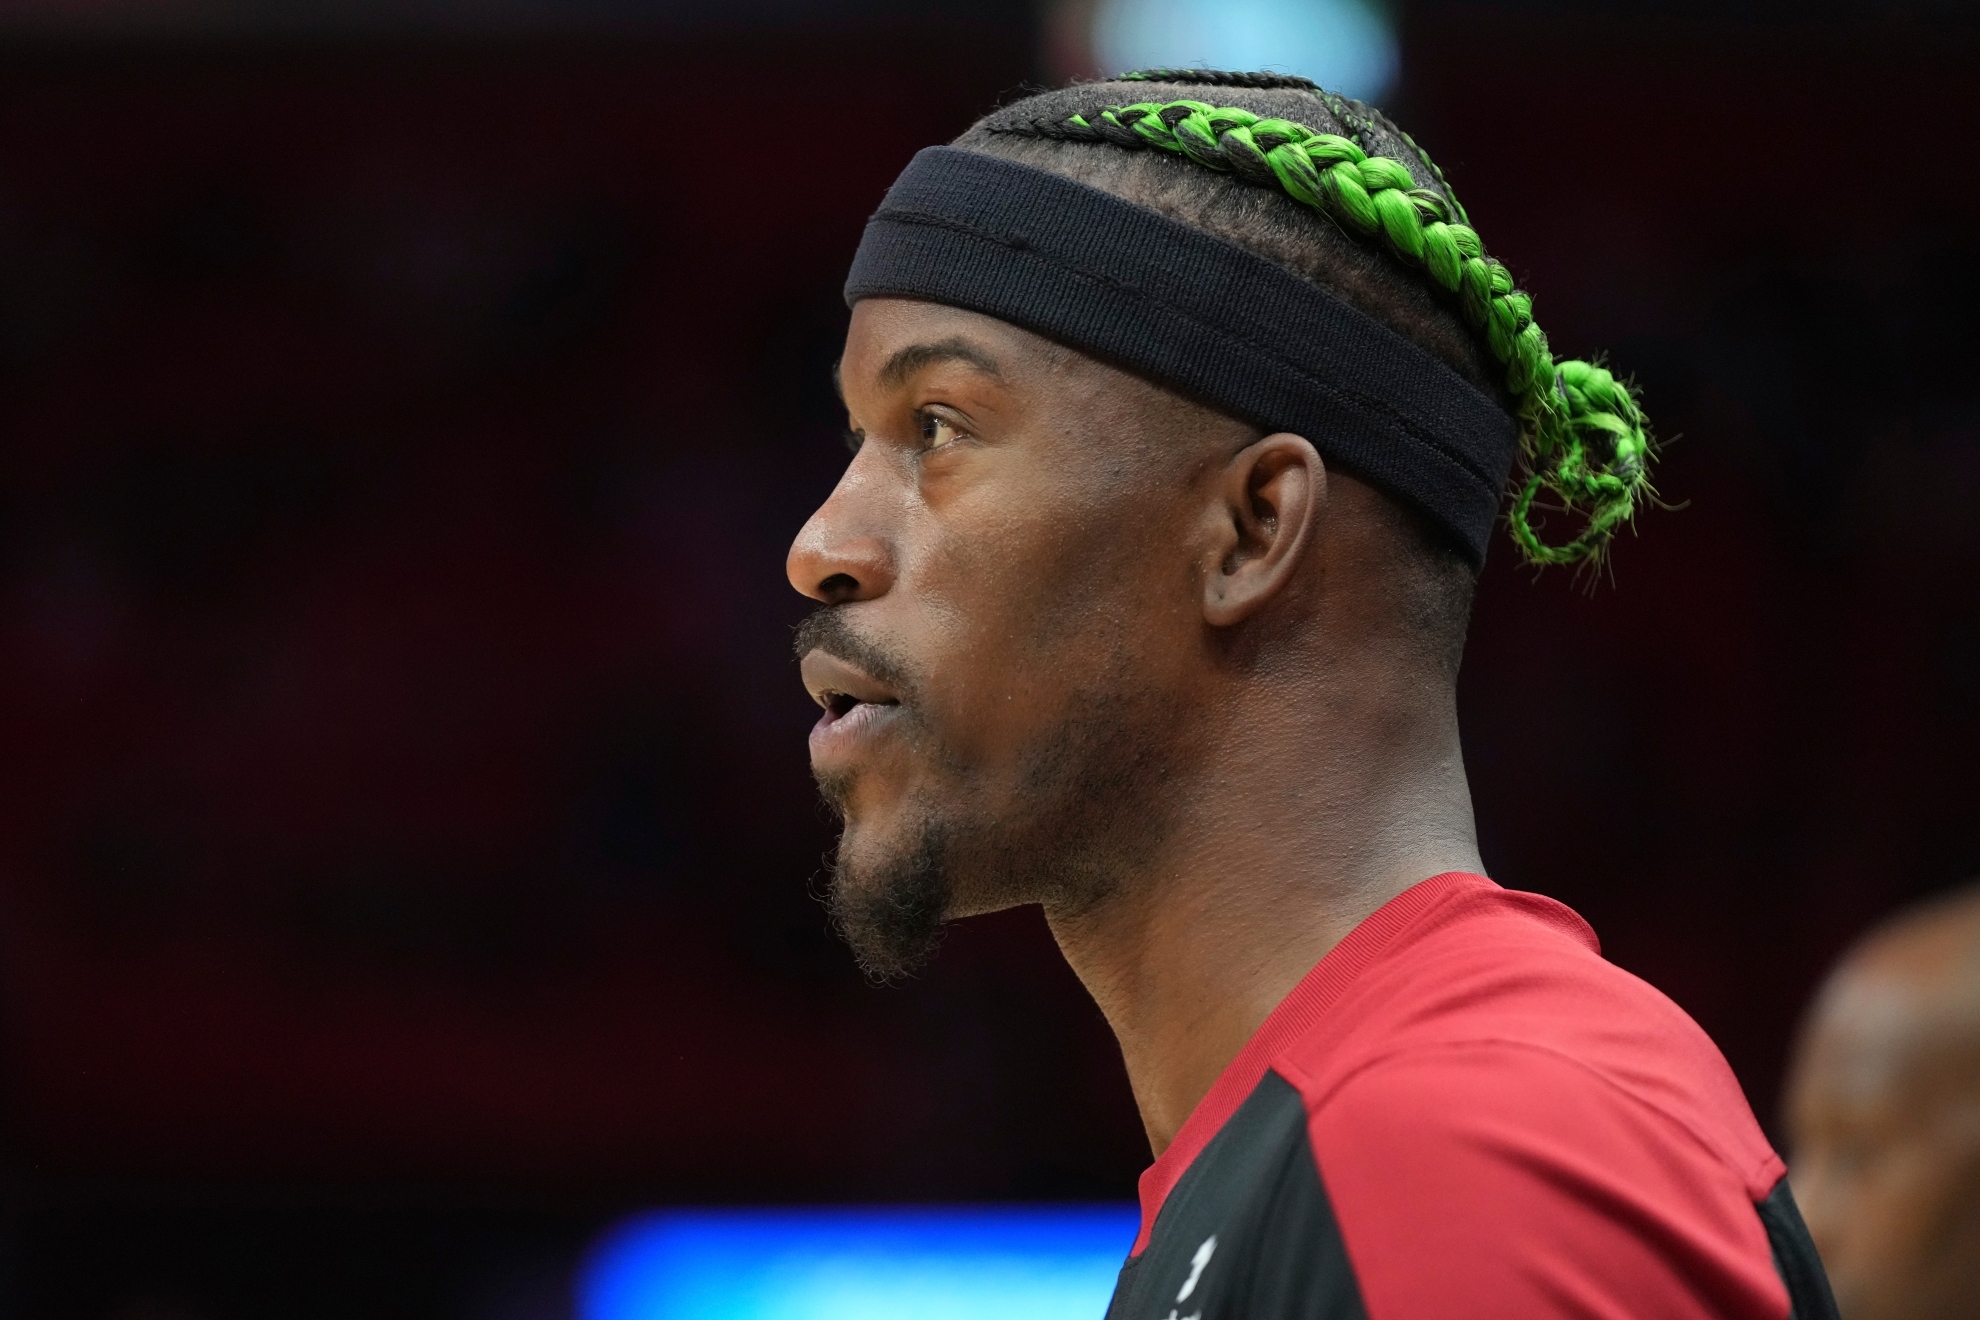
(1280, 847)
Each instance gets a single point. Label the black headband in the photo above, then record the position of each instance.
(1195, 312)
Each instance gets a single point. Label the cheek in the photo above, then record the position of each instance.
(1021, 623)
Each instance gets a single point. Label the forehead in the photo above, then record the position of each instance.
(1047, 420)
(889, 337)
(894, 342)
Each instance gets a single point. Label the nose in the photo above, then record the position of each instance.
(840, 555)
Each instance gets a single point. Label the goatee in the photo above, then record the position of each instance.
(892, 915)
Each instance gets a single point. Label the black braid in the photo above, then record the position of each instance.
(1066, 130)
(1220, 78)
(1450, 194)
(1357, 128)
(1356, 125)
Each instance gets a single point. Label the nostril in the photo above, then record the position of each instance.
(838, 587)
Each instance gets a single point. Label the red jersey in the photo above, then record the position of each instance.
(1464, 1111)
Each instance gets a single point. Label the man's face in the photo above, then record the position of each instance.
(1007, 630)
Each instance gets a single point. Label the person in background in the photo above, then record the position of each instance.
(1883, 1117)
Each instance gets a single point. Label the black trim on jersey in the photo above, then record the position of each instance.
(1800, 1268)
(1248, 1232)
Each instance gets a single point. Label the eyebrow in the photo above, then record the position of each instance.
(905, 362)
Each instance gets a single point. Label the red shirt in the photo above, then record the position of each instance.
(1502, 1124)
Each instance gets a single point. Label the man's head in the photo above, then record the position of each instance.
(1884, 1116)
(1038, 573)
(1058, 593)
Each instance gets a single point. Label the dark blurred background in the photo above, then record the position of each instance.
(408, 846)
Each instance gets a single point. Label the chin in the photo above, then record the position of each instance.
(857, 863)
(889, 904)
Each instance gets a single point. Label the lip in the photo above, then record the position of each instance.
(857, 707)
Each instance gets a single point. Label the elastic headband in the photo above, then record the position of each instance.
(1194, 312)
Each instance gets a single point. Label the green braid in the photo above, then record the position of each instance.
(1582, 435)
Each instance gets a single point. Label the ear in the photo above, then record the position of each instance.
(1268, 497)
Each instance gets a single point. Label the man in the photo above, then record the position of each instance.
(1884, 1113)
(1180, 427)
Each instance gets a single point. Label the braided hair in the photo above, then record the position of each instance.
(1274, 151)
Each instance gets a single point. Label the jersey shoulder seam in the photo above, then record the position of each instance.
(1316, 1100)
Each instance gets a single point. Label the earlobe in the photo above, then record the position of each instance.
(1268, 496)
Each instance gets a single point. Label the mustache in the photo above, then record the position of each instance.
(827, 629)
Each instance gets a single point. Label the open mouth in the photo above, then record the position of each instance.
(841, 687)
(846, 727)
(842, 706)
(855, 703)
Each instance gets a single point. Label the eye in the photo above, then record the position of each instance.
(937, 433)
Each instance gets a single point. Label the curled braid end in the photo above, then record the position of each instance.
(1590, 448)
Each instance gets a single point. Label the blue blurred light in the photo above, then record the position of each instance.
(1346, 46)
(1043, 1263)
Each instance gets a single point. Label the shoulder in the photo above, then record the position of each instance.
(1508, 993)
(1507, 1124)
(1508, 1177)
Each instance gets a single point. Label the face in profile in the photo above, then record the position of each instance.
(1004, 576)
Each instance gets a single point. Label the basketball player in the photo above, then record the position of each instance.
(1182, 406)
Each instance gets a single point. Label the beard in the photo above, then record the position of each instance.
(1085, 812)
(892, 913)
